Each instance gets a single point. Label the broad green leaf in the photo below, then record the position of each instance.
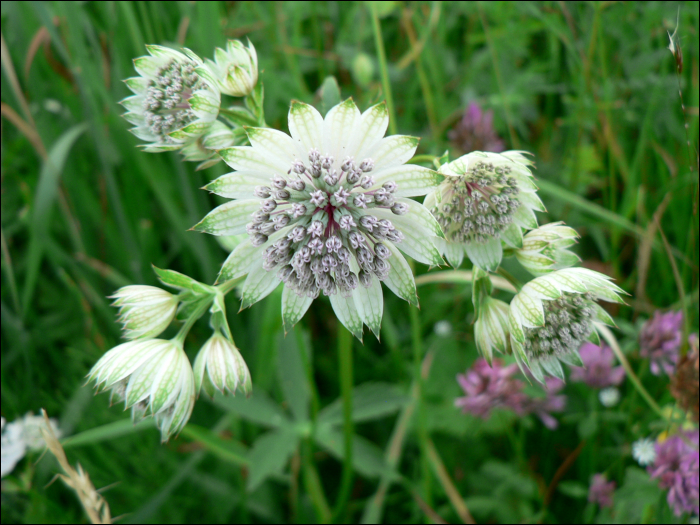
(369, 401)
(269, 455)
(258, 408)
(367, 458)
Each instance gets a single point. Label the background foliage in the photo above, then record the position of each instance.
(589, 88)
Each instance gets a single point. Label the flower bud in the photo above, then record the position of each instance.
(545, 249)
(491, 328)
(235, 69)
(145, 311)
(152, 377)
(220, 366)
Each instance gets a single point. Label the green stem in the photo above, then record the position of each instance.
(427, 159)
(345, 366)
(313, 486)
(509, 277)
(610, 339)
(423, 439)
(381, 56)
(202, 307)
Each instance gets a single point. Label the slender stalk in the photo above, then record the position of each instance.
(428, 159)
(313, 486)
(381, 56)
(345, 369)
(417, 344)
(448, 485)
(199, 312)
(610, 339)
(510, 278)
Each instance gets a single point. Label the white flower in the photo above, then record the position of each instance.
(235, 69)
(150, 375)
(545, 249)
(551, 316)
(485, 198)
(204, 149)
(609, 397)
(326, 211)
(491, 328)
(220, 366)
(175, 101)
(145, 311)
(443, 328)
(21, 435)
(644, 451)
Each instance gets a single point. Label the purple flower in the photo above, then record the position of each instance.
(601, 491)
(551, 402)
(598, 370)
(475, 131)
(660, 340)
(489, 387)
(676, 467)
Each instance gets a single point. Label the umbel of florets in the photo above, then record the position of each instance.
(485, 198)
(552, 315)
(175, 101)
(326, 212)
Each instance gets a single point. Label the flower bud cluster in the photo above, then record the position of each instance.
(545, 249)
(324, 208)
(235, 69)
(478, 205)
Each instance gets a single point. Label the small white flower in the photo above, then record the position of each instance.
(609, 397)
(220, 366)
(545, 249)
(235, 69)
(485, 198)
(21, 435)
(443, 328)
(153, 377)
(326, 211)
(644, 451)
(491, 328)
(551, 316)
(145, 311)
(175, 101)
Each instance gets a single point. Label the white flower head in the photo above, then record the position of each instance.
(235, 69)
(545, 249)
(220, 366)
(644, 451)
(491, 328)
(175, 101)
(145, 311)
(485, 198)
(609, 397)
(21, 435)
(551, 316)
(326, 211)
(152, 377)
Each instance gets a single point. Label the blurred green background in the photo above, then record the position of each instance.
(589, 87)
